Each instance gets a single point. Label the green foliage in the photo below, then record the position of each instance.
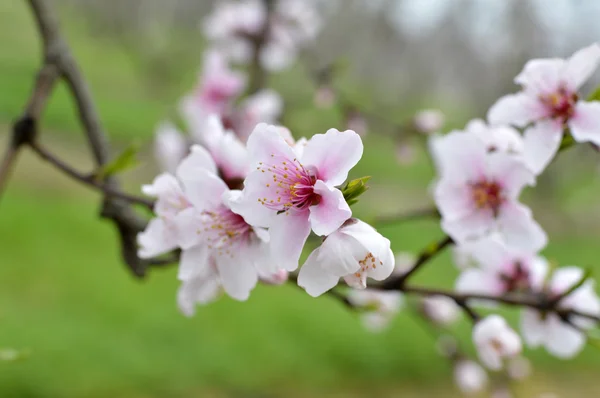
(124, 161)
(354, 188)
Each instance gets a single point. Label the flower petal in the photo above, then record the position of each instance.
(581, 65)
(454, 200)
(563, 340)
(194, 263)
(333, 154)
(188, 222)
(542, 141)
(313, 278)
(585, 123)
(170, 146)
(470, 226)
(265, 142)
(509, 171)
(516, 109)
(541, 76)
(519, 229)
(237, 274)
(477, 281)
(289, 232)
(158, 238)
(205, 190)
(198, 159)
(249, 205)
(533, 328)
(201, 290)
(331, 212)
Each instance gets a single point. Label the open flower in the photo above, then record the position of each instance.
(548, 329)
(353, 252)
(495, 341)
(478, 194)
(441, 310)
(172, 206)
(291, 192)
(170, 147)
(501, 269)
(218, 237)
(550, 99)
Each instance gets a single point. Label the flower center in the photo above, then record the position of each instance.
(516, 280)
(216, 94)
(223, 228)
(561, 104)
(487, 195)
(291, 186)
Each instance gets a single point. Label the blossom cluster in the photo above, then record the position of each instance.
(240, 196)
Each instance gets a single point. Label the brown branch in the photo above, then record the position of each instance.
(59, 63)
(6, 166)
(89, 178)
(258, 74)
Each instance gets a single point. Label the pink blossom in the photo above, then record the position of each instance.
(495, 341)
(469, 376)
(172, 206)
(170, 147)
(291, 192)
(548, 329)
(478, 194)
(353, 252)
(217, 88)
(264, 106)
(428, 121)
(440, 309)
(501, 269)
(550, 99)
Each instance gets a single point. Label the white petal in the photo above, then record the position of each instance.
(194, 263)
(164, 184)
(581, 65)
(232, 157)
(202, 290)
(313, 278)
(265, 142)
(519, 229)
(459, 156)
(538, 269)
(541, 76)
(237, 274)
(585, 123)
(533, 327)
(333, 154)
(489, 252)
(563, 340)
(249, 206)
(331, 212)
(454, 199)
(188, 223)
(198, 159)
(510, 172)
(289, 232)
(205, 190)
(476, 281)
(565, 277)
(158, 238)
(170, 146)
(541, 144)
(516, 109)
(470, 226)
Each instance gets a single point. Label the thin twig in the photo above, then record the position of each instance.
(8, 162)
(87, 179)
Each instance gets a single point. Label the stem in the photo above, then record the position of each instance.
(86, 179)
(8, 162)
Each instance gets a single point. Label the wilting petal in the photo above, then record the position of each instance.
(519, 229)
(194, 263)
(289, 232)
(585, 123)
(331, 211)
(542, 141)
(333, 154)
(580, 66)
(158, 238)
(237, 274)
(313, 278)
(516, 109)
(541, 76)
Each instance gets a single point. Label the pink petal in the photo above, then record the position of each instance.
(542, 141)
(333, 154)
(237, 274)
(454, 200)
(519, 229)
(158, 238)
(581, 66)
(265, 142)
(469, 226)
(313, 278)
(331, 212)
(204, 191)
(516, 109)
(585, 123)
(289, 232)
(541, 76)
(194, 263)
(249, 205)
(231, 156)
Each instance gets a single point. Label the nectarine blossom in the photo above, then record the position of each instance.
(495, 341)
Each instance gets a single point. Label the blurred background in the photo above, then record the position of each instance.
(85, 327)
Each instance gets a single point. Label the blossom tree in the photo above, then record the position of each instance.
(240, 200)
